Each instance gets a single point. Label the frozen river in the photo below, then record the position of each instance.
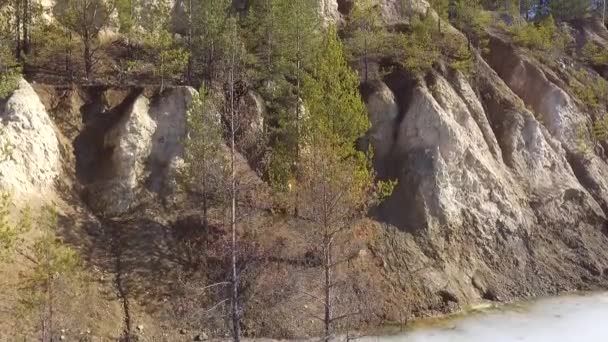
(573, 318)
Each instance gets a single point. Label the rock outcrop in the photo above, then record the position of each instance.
(494, 200)
(491, 183)
(144, 147)
(34, 158)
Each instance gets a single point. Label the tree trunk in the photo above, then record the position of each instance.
(604, 13)
(162, 72)
(88, 63)
(189, 43)
(18, 25)
(68, 57)
(328, 285)
(365, 58)
(236, 328)
(298, 114)
(439, 24)
(51, 309)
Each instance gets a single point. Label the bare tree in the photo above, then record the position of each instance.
(235, 309)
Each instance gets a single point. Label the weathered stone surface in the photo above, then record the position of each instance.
(35, 160)
(146, 145)
(487, 189)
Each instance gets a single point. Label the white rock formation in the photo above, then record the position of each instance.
(487, 179)
(146, 145)
(383, 111)
(35, 160)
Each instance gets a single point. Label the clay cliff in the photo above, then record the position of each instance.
(496, 200)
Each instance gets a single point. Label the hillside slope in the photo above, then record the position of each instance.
(496, 199)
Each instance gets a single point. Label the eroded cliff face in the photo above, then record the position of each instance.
(488, 205)
(495, 200)
(32, 161)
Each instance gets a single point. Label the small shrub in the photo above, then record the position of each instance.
(9, 72)
(420, 46)
(594, 54)
(543, 36)
(590, 89)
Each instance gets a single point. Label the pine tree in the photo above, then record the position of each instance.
(9, 229)
(369, 35)
(53, 265)
(205, 159)
(419, 48)
(167, 56)
(10, 72)
(21, 15)
(294, 36)
(210, 41)
(442, 7)
(86, 18)
(234, 92)
(335, 185)
(129, 19)
(569, 9)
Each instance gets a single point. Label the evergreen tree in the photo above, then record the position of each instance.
(129, 20)
(295, 37)
(10, 231)
(336, 182)
(53, 265)
(9, 66)
(369, 35)
(166, 55)
(470, 19)
(419, 47)
(232, 115)
(21, 15)
(210, 41)
(569, 9)
(10, 72)
(205, 157)
(86, 18)
(442, 7)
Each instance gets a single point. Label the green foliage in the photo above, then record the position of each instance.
(424, 45)
(331, 168)
(282, 36)
(51, 257)
(419, 46)
(594, 54)
(591, 89)
(10, 72)
(85, 18)
(129, 15)
(470, 18)
(11, 230)
(384, 189)
(543, 36)
(54, 46)
(569, 9)
(334, 107)
(204, 156)
(55, 268)
(583, 143)
(211, 38)
(600, 128)
(165, 54)
(368, 37)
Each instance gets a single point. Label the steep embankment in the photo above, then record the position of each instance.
(495, 199)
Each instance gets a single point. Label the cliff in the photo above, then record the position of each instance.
(496, 200)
